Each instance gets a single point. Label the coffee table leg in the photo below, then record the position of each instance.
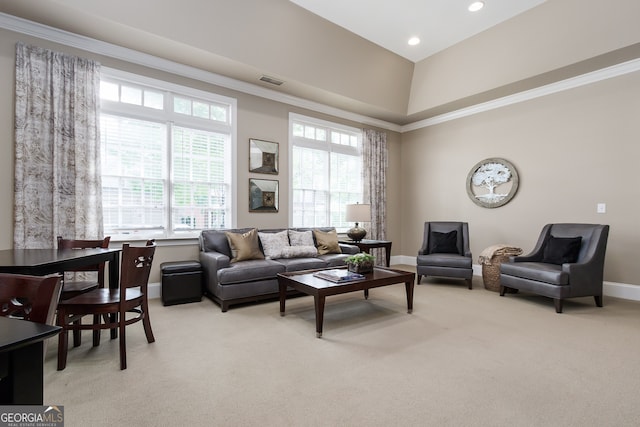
(319, 303)
(282, 291)
(409, 287)
(366, 294)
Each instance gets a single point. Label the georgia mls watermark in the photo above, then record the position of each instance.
(31, 416)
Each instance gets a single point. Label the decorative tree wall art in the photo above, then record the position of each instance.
(492, 183)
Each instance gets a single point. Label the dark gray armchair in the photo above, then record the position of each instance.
(567, 262)
(445, 252)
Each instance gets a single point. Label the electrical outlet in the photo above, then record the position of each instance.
(601, 208)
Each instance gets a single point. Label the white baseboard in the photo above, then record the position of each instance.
(154, 290)
(622, 290)
(611, 289)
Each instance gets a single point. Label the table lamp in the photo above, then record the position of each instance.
(358, 213)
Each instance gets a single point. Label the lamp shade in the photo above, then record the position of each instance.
(358, 213)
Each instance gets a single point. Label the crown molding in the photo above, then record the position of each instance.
(560, 86)
(34, 29)
(66, 38)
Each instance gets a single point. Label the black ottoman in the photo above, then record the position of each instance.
(181, 282)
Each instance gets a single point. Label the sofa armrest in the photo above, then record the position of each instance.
(349, 249)
(212, 262)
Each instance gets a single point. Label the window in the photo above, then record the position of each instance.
(326, 172)
(166, 158)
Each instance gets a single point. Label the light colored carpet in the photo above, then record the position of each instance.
(463, 358)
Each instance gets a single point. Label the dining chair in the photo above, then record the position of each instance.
(32, 298)
(112, 305)
(74, 287)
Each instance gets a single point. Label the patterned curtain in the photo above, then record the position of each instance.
(57, 151)
(375, 186)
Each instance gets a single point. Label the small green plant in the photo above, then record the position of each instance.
(361, 258)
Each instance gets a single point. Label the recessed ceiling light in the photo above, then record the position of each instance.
(476, 6)
(414, 41)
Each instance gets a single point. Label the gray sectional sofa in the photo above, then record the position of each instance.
(228, 283)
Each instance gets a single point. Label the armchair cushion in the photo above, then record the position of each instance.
(538, 271)
(561, 250)
(445, 260)
(444, 243)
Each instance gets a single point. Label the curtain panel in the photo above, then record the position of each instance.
(375, 163)
(57, 187)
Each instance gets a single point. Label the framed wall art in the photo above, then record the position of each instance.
(263, 195)
(263, 156)
(492, 182)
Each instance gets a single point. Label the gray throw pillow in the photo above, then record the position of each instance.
(274, 243)
(301, 238)
(299, 252)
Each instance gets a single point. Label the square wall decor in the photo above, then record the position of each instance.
(263, 156)
(263, 195)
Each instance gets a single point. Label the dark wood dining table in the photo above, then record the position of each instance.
(22, 361)
(40, 262)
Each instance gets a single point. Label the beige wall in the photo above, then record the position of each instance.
(526, 50)
(572, 150)
(257, 118)
(243, 37)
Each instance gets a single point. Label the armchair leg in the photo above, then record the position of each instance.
(418, 278)
(598, 299)
(469, 283)
(502, 290)
(558, 303)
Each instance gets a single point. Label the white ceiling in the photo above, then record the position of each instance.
(438, 23)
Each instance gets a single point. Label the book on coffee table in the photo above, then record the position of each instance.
(339, 275)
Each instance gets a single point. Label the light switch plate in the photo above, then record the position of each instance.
(601, 208)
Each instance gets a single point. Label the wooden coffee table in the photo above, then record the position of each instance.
(307, 283)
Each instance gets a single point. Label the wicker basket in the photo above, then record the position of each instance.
(491, 272)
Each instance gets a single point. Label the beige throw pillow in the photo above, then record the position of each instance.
(244, 246)
(327, 242)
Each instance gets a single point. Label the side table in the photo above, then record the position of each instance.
(367, 245)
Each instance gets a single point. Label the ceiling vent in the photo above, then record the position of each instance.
(271, 80)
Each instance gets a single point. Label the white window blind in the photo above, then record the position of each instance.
(326, 172)
(166, 159)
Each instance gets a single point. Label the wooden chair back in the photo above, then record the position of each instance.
(87, 244)
(136, 267)
(33, 298)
